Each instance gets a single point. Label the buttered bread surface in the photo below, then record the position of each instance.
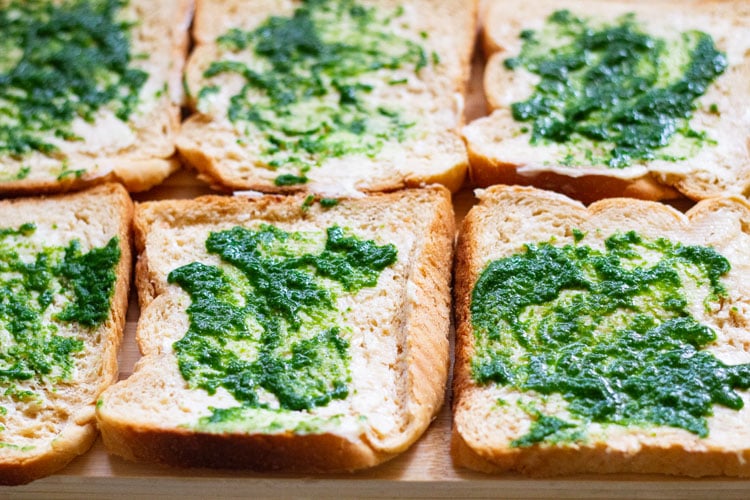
(286, 332)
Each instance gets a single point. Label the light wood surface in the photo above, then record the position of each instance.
(424, 471)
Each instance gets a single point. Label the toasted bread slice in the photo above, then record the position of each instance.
(337, 369)
(702, 155)
(125, 131)
(66, 265)
(604, 339)
(330, 97)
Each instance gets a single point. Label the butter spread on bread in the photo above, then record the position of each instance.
(609, 330)
(614, 94)
(276, 301)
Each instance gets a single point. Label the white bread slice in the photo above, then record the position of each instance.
(43, 432)
(500, 152)
(488, 417)
(230, 154)
(138, 152)
(397, 333)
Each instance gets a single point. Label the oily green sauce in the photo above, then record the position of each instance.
(20, 174)
(264, 325)
(324, 202)
(41, 290)
(611, 331)
(545, 427)
(614, 94)
(307, 96)
(59, 61)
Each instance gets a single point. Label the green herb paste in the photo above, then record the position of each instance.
(306, 97)
(545, 427)
(59, 61)
(264, 325)
(608, 330)
(324, 202)
(42, 289)
(20, 174)
(613, 94)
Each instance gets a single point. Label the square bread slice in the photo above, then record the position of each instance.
(65, 265)
(619, 98)
(286, 332)
(332, 96)
(605, 339)
(90, 92)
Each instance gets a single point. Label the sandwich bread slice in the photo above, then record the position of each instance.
(292, 333)
(619, 98)
(90, 91)
(65, 267)
(332, 96)
(606, 339)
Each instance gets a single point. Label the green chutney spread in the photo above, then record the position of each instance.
(264, 324)
(613, 94)
(43, 290)
(60, 61)
(610, 331)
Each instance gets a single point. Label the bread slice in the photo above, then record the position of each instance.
(568, 401)
(501, 150)
(380, 129)
(137, 149)
(286, 409)
(58, 354)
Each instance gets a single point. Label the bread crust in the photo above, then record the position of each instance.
(487, 171)
(209, 142)
(149, 157)
(260, 452)
(509, 217)
(421, 327)
(106, 208)
(499, 154)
